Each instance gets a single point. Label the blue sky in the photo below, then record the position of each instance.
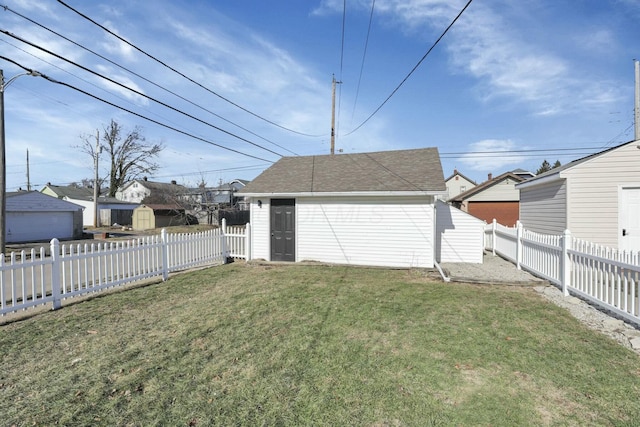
(510, 84)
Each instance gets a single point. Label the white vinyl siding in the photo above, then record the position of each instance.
(543, 208)
(594, 191)
(374, 231)
(260, 233)
(459, 236)
(503, 191)
(455, 187)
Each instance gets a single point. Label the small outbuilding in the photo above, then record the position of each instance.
(374, 209)
(32, 216)
(146, 217)
(596, 197)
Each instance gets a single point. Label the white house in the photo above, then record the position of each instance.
(597, 198)
(138, 189)
(374, 209)
(32, 216)
(110, 209)
(458, 183)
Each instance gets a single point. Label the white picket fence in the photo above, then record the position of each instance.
(604, 276)
(31, 278)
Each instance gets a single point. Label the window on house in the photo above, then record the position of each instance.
(463, 188)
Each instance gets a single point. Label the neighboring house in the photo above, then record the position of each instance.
(137, 190)
(596, 197)
(374, 209)
(110, 209)
(146, 217)
(205, 202)
(495, 198)
(458, 183)
(32, 216)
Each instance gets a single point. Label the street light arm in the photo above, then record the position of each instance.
(33, 73)
(27, 72)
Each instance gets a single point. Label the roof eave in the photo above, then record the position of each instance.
(540, 181)
(347, 193)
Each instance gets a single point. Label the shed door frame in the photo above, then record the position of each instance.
(629, 222)
(282, 221)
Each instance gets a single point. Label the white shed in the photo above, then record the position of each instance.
(459, 235)
(33, 216)
(597, 198)
(374, 209)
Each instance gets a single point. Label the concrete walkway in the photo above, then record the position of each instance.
(493, 269)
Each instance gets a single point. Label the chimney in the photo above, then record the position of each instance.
(489, 176)
(144, 178)
(173, 182)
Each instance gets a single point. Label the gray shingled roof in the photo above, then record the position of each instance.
(404, 170)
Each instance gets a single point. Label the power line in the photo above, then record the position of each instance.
(136, 91)
(344, 22)
(134, 113)
(184, 75)
(364, 55)
(6, 8)
(413, 69)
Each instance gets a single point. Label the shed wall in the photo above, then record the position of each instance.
(459, 236)
(594, 191)
(392, 232)
(543, 208)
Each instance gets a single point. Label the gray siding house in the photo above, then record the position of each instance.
(32, 216)
(597, 198)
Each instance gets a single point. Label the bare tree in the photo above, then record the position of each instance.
(129, 155)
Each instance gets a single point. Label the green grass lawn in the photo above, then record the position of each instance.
(252, 345)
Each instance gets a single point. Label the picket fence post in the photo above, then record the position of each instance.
(164, 247)
(494, 239)
(565, 262)
(223, 236)
(55, 274)
(247, 242)
(518, 244)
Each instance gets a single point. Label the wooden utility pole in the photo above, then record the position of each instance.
(333, 114)
(637, 103)
(28, 180)
(96, 184)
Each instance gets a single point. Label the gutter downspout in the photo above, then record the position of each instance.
(435, 249)
(444, 276)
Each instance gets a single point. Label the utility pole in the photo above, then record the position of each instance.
(333, 114)
(3, 157)
(3, 170)
(637, 107)
(96, 184)
(28, 180)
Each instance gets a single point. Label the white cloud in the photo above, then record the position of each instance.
(510, 64)
(485, 155)
(116, 46)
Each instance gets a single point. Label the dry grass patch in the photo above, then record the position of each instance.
(314, 345)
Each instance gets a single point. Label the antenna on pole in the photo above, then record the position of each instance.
(333, 114)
